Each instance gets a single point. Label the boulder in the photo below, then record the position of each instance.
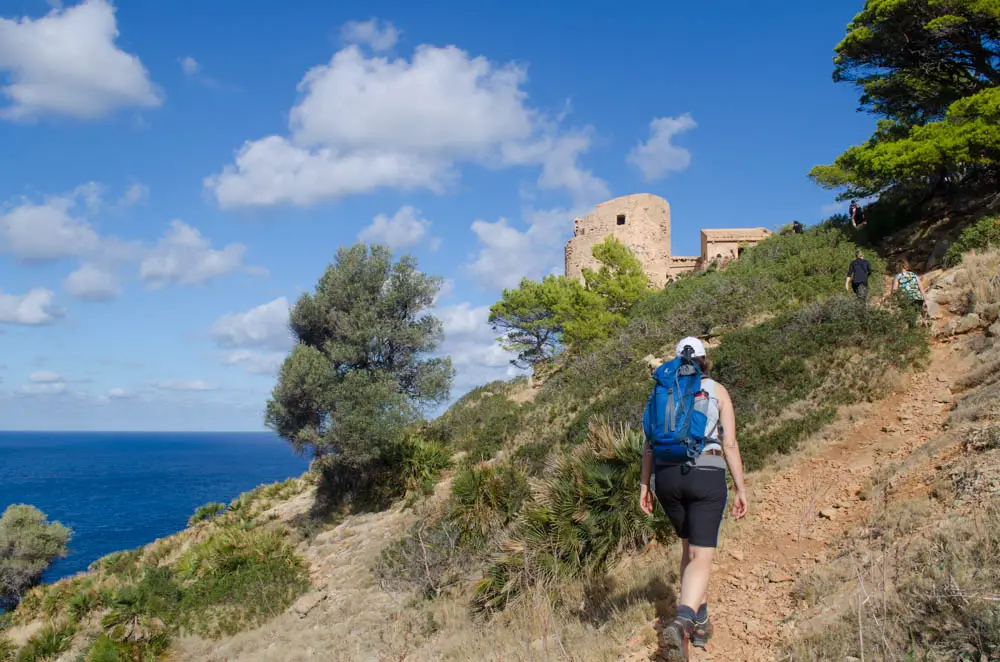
(989, 312)
(307, 603)
(994, 330)
(933, 309)
(970, 322)
(937, 255)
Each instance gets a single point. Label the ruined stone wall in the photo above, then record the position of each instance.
(640, 221)
(727, 242)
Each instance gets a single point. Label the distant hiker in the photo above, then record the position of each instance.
(853, 211)
(857, 275)
(909, 284)
(690, 430)
(796, 227)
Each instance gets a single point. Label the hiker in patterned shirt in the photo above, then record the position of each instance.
(909, 284)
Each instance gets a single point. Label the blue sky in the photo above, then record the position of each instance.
(174, 175)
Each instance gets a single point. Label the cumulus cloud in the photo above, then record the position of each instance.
(256, 363)
(190, 66)
(67, 63)
(44, 388)
(193, 385)
(51, 230)
(265, 327)
(509, 253)
(183, 256)
(92, 283)
(658, 156)
(134, 195)
(34, 308)
(45, 377)
(472, 346)
(120, 394)
(364, 123)
(405, 228)
(379, 35)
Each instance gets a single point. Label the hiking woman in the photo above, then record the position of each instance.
(909, 283)
(694, 499)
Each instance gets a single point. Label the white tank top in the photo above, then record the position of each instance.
(713, 425)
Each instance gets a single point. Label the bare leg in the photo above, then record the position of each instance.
(696, 566)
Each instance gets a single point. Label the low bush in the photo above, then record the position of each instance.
(978, 236)
(429, 558)
(480, 423)
(118, 564)
(422, 464)
(7, 650)
(485, 499)
(583, 517)
(237, 579)
(47, 643)
(207, 512)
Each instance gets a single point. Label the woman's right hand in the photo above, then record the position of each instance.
(740, 505)
(646, 500)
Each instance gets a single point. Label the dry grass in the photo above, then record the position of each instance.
(980, 276)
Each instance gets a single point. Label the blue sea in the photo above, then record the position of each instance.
(121, 490)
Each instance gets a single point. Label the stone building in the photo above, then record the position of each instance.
(642, 222)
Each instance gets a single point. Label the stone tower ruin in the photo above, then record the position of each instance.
(640, 221)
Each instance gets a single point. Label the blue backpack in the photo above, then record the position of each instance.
(676, 415)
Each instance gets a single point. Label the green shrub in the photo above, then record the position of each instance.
(118, 564)
(105, 649)
(486, 499)
(423, 462)
(533, 456)
(584, 516)
(7, 650)
(238, 579)
(47, 643)
(979, 236)
(207, 512)
(480, 423)
(28, 545)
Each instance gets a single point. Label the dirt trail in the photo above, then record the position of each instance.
(797, 513)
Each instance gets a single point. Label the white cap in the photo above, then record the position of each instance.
(693, 343)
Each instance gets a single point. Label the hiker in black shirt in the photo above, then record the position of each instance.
(796, 227)
(854, 211)
(857, 276)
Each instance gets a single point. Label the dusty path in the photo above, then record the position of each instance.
(798, 511)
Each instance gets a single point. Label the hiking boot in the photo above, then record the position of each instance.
(701, 633)
(676, 636)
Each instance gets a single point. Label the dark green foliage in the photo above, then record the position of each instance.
(47, 643)
(584, 516)
(7, 650)
(363, 367)
(237, 579)
(119, 564)
(28, 544)
(533, 456)
(485, 499)
(423, 462)
(979, 236)
(207, 512)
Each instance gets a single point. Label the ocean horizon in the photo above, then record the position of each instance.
(121, 490)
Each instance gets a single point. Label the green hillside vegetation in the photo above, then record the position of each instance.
(558, 500)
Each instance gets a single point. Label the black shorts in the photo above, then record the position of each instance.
(861, 289)
(694, 499)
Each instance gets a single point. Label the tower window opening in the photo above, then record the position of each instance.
(621, 219)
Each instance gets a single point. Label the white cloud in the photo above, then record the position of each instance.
(92, 283)
(658, 156)
(45, 377)
(365, 123)
(509, 254)
(265, 327)
(472, 346)
(67, 63)
(120, 394)
(31, 309)
(134, 195)
(184, 256)
(190, 66)
(405, 228)
(256, 363)
(53, 388)
(379, 35)
(47, 231)
(194, 385)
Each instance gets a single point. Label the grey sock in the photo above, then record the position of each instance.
(683, 611)
(702, 615)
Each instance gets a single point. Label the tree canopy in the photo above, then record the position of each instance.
(931, 70)
(539, 318)
(363, 367)
(28, 545)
